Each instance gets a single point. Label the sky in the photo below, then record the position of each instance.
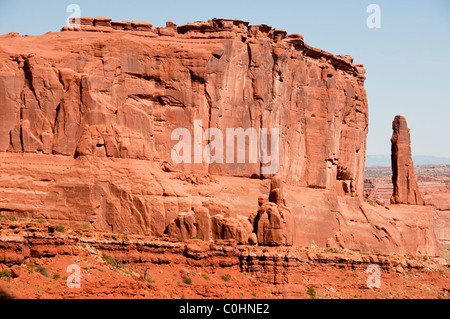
(407, 59)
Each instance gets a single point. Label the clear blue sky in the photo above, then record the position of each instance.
(407, 60)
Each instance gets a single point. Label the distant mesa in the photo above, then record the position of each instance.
(385, 160)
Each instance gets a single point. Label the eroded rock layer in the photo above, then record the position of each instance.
(120, 94)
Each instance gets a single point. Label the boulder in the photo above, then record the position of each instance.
(231, 229)
(183, 227)
(121, 25)
(102, 22)
(141, 26)
(276, 190)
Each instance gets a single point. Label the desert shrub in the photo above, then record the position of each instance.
(5, 274)
(56, 276)
(42, 270)
(331, 250)
(205, 276)
(187, 280)
(226, 277)
(111, 261)
(60, 228)
(149, 279)
(312, 292)
(31, 266)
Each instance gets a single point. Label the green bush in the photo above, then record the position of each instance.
(12, 218)
(56, 276)
(332, 250)
(149, 279)
(5, 274)
(187, 280)
(206, 276)
(31, 266)
(60, 228)
(42, 270)
(111, 261)
(226, 277)
(312, 292)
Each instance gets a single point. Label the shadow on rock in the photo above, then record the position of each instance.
(4, 294)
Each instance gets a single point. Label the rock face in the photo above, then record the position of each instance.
(406, 189)
(118, 90)
(87, 117)
(200, 225)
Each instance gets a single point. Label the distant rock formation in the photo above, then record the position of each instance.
(406, 189)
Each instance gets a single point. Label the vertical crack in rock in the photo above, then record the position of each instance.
(29, 79)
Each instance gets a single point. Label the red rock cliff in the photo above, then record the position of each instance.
(87, 115)
(120, 94)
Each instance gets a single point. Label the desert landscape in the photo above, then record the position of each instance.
(88, 180)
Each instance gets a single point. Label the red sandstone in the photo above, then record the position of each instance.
(406, 189)
(87, 117)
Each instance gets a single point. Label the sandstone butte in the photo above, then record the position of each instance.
(85, 137)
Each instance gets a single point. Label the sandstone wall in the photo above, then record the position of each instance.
(121, 91)
(87, 115)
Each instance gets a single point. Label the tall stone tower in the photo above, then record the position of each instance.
(406, 189)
